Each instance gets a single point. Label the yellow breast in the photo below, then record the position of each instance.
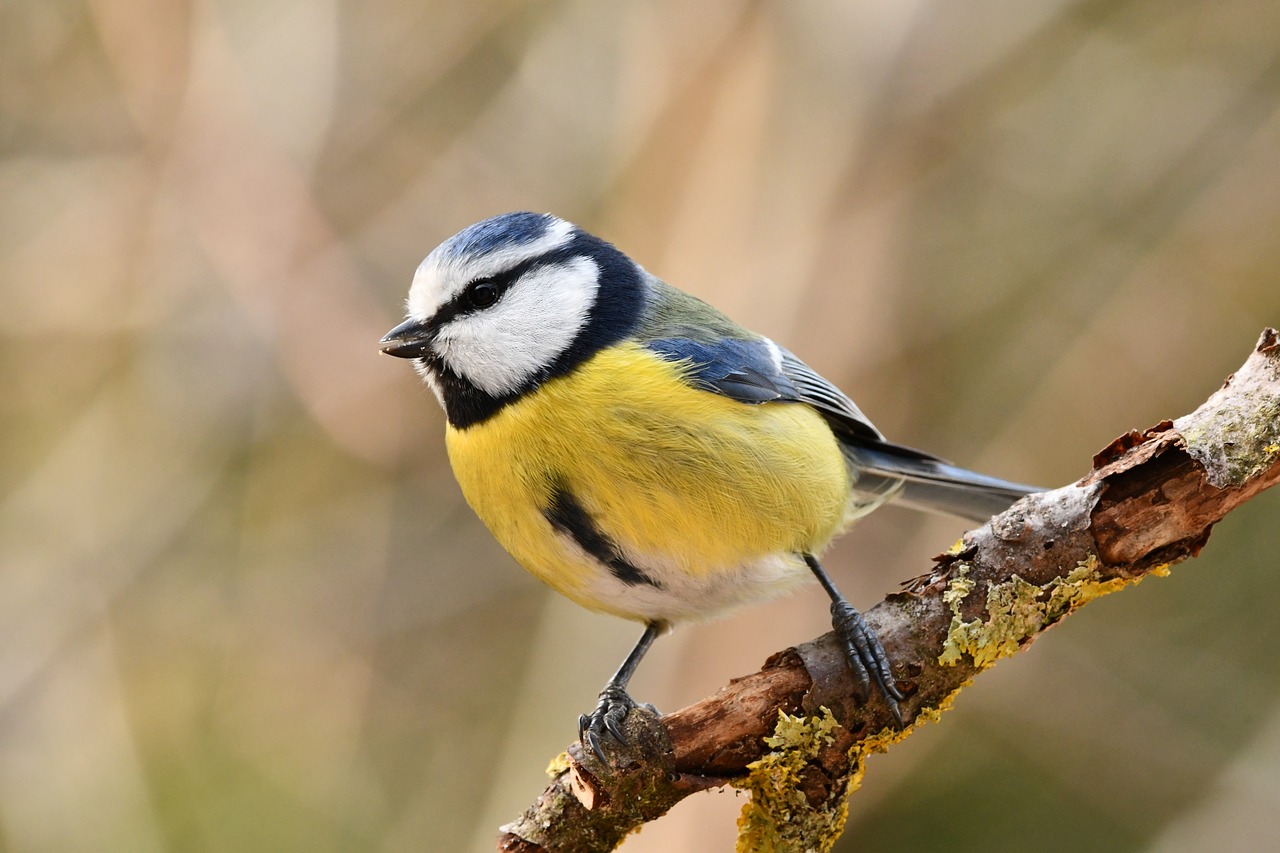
(677, 477)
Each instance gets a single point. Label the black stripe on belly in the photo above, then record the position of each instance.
(569, 517)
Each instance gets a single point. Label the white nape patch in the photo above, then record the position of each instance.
(442, 275)
(500, 348)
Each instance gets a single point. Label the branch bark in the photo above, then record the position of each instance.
(1150, 501)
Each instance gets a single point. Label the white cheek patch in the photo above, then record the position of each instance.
(500, 348)
(444, 274)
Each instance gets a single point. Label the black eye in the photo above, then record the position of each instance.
(482, 293)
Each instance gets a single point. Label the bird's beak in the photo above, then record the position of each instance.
(411, 339)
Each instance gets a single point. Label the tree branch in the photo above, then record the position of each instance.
(1150, 501)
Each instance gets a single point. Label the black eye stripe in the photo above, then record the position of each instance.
(461, 304)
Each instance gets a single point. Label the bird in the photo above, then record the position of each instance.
(641, 453)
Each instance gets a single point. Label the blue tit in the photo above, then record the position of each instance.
(640, 452)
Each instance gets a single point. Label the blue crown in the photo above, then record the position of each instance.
(508, 229)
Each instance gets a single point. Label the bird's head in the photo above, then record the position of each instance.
(507, 303)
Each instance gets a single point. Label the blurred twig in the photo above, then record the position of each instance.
(1150, 501)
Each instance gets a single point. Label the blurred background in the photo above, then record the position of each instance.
(242, 604)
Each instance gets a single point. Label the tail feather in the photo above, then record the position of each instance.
(934, 485)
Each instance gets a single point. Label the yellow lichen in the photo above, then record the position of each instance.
(778, 816)
(885, 738)
(1018, 610)
(558, 765)
(932, 714)
(1081, 585)
(958, 589)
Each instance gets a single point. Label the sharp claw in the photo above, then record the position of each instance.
(593, 741)
(866, 658)
(896, 712)
(606, 721)
(863, 688)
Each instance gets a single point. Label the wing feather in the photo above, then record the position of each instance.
(758, 371)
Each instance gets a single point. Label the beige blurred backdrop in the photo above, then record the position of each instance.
(242, 604)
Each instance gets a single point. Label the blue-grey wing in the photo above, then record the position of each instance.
(759, 371)
(845, 418)
(739, 369)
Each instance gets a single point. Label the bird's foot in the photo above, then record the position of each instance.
(866, 657)
(606, 721)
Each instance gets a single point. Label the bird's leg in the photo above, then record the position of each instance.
(862, 647)
(615, 703)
